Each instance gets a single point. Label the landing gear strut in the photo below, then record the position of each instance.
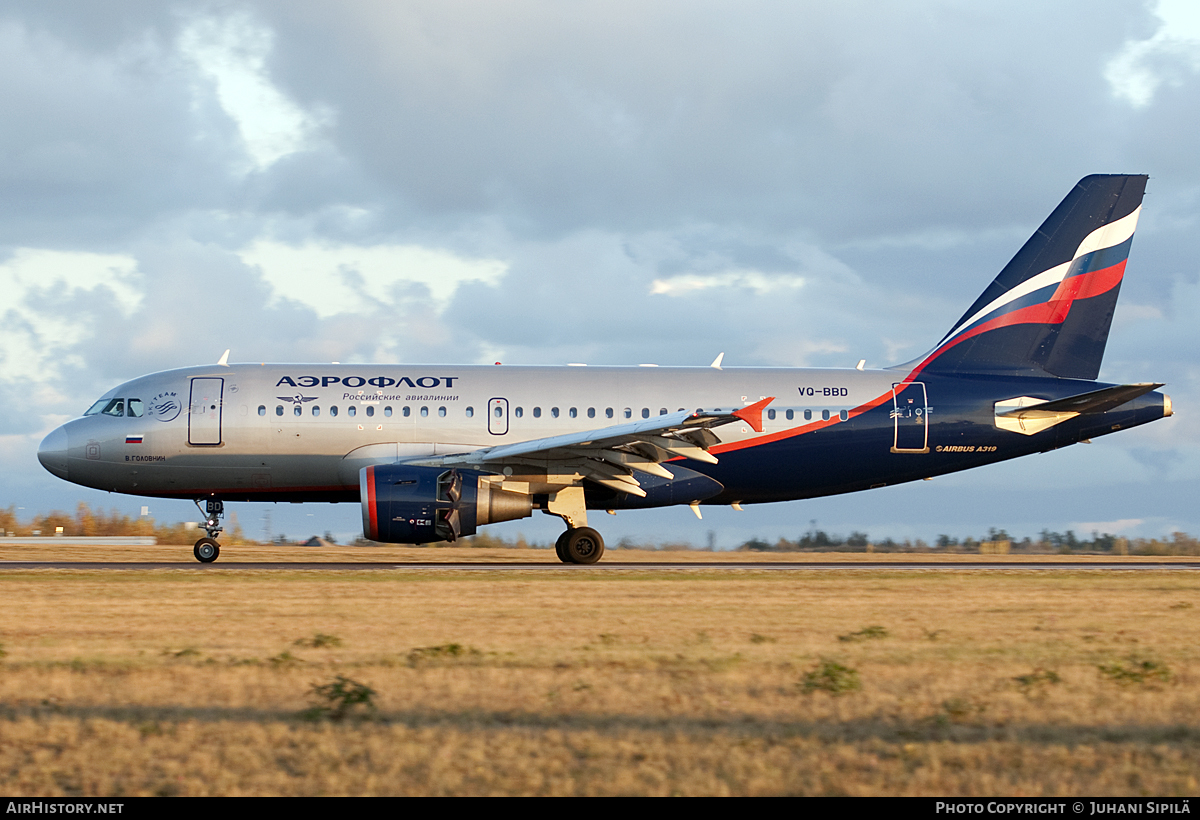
(207, 549)
(579, 545)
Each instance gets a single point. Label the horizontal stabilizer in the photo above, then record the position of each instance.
(1027, 415)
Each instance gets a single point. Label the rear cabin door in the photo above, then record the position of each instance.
(204, 413)
(910, 413)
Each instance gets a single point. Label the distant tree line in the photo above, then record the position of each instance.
(89, 522)
(997, 541)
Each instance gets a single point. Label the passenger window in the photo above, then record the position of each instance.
(333, 410)
(591, 412)
(808, 415)
(297, 410)
(843, 415)
(554, 412)
(518, 412)
(387, 411)
(628, 412)
(134, 409)
(470, 412)
(262, 409)
(424, 411)
(771, 415)
(662, 411)
(351, 410)
(791, 414)
(279, 409)
(608, 412)
(442, 411)
(115, 407)
(537, 412)
(407, 411)
(824, 415)
(370, 410)
(572, 412)
(316, 410)
(645, 412)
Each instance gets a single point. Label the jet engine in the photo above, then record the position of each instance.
(416, 505)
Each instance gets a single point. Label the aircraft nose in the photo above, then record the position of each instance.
(53, 452)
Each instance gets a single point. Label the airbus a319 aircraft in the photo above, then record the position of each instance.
(433, 452)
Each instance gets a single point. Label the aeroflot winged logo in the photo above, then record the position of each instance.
(297, 399)
(426, 382)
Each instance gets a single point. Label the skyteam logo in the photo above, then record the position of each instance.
(166, 406)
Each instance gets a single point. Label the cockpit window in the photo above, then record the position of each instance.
(110, 407)
(115, 407)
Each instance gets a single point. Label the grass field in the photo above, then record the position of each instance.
(637, 681)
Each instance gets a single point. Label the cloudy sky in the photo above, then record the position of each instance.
(794, 183)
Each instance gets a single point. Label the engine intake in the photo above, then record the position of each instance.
(417, 505)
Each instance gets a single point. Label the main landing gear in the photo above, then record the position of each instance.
(207, 549)
(579, 545)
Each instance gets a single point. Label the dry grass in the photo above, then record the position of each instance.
(631, 682)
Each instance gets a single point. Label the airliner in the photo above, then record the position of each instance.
(434, 452)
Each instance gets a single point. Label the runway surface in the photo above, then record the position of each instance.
(540, 566)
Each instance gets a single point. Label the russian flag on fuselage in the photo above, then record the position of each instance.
(1050, 309)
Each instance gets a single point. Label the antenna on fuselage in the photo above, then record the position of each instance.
(224, 360)
(717, 361)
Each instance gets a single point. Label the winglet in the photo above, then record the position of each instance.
(752, 414)
(224, 360)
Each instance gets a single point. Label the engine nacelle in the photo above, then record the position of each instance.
(416, 505)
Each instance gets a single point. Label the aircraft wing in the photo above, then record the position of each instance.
(610, 455)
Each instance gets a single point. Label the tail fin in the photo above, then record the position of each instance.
(1049, 310)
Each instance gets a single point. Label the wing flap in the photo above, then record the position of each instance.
(609, 456)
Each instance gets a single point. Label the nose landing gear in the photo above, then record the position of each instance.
(207, 549)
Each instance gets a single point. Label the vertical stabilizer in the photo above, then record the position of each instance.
(1050, 309)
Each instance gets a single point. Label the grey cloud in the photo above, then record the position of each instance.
(897, 155)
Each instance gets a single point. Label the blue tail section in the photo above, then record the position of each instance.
(1050, 309)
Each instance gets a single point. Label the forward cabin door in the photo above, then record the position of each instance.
(498, 417)
(204, 411)
(910, 414)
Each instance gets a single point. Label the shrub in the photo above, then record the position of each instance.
(867, 633)
(319, 641)
(339, 698)
(1035, 682)
(1136, 670)
(444, 652)
(831, 677)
